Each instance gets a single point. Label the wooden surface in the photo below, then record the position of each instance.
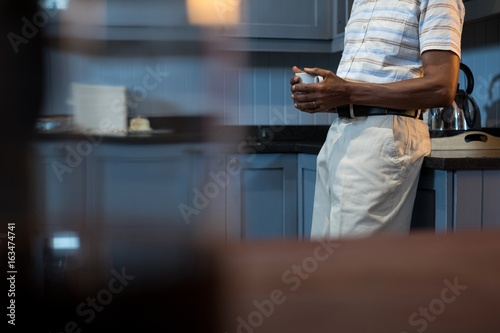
(480, 159)
(473, 140)
(419, 283)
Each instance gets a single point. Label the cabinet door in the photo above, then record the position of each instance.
(143, 186)
(306, 165)
(213, 185)
(293, 19)
(468, 199)
(458, 200)
(59, 183)
(476, 199)
(129, 13)
(491, 193)
(262, 196)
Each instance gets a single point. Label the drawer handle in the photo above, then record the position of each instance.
(476, 137)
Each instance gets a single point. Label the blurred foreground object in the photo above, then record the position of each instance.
(20, 100)
(383, 284)
(119, 281)
(213, 13)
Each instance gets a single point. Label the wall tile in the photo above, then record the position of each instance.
(481, 52)
(243, 89)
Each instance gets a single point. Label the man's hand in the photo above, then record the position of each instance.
(435, 88)
(318, 97)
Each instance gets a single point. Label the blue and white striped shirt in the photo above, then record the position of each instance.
(384, 39)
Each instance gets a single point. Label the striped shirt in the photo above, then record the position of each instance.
(384, 39)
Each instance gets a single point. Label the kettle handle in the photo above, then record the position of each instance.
(470, 78)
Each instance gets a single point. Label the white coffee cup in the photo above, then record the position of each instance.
(308, 78)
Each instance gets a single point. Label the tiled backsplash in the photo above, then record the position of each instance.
(238, 88)
(481, 52)
(155, 85)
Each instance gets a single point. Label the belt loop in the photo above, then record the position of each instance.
(351, 111)
(418, 114)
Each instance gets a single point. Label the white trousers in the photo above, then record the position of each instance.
(367, 176)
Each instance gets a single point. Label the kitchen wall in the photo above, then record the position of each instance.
(157, 85)
(481, 52)
(238, 88)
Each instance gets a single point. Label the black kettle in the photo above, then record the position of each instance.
(462, 114)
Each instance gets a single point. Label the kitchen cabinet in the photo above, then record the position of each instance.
(257, 196)
(268, 26)
(130, 185)
(306, 171)
(149, 13)
(291, 26)
(149, 20)
(285, 19)
(262, 196)
(122, 20)
(210, 198)
(59, 184)
(92, 185)
(95, 184)
(457, 200)
(218, 193)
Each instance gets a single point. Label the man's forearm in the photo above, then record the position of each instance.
(436, 88)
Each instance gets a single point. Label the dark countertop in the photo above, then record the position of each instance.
(153, 137)
(185, 129)
(463, 160)
(265, 140)
(441, 160)
(309, 140)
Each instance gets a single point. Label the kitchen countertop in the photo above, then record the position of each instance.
(463, 159)
(312, 138)
(178, 129)
(285, 140)
(306, 139)
(441, 160)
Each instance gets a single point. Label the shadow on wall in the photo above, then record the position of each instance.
(492, 109)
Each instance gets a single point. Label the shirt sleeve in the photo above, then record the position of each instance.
(440, 25)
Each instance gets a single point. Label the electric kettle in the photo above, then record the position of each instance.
(462, 114)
